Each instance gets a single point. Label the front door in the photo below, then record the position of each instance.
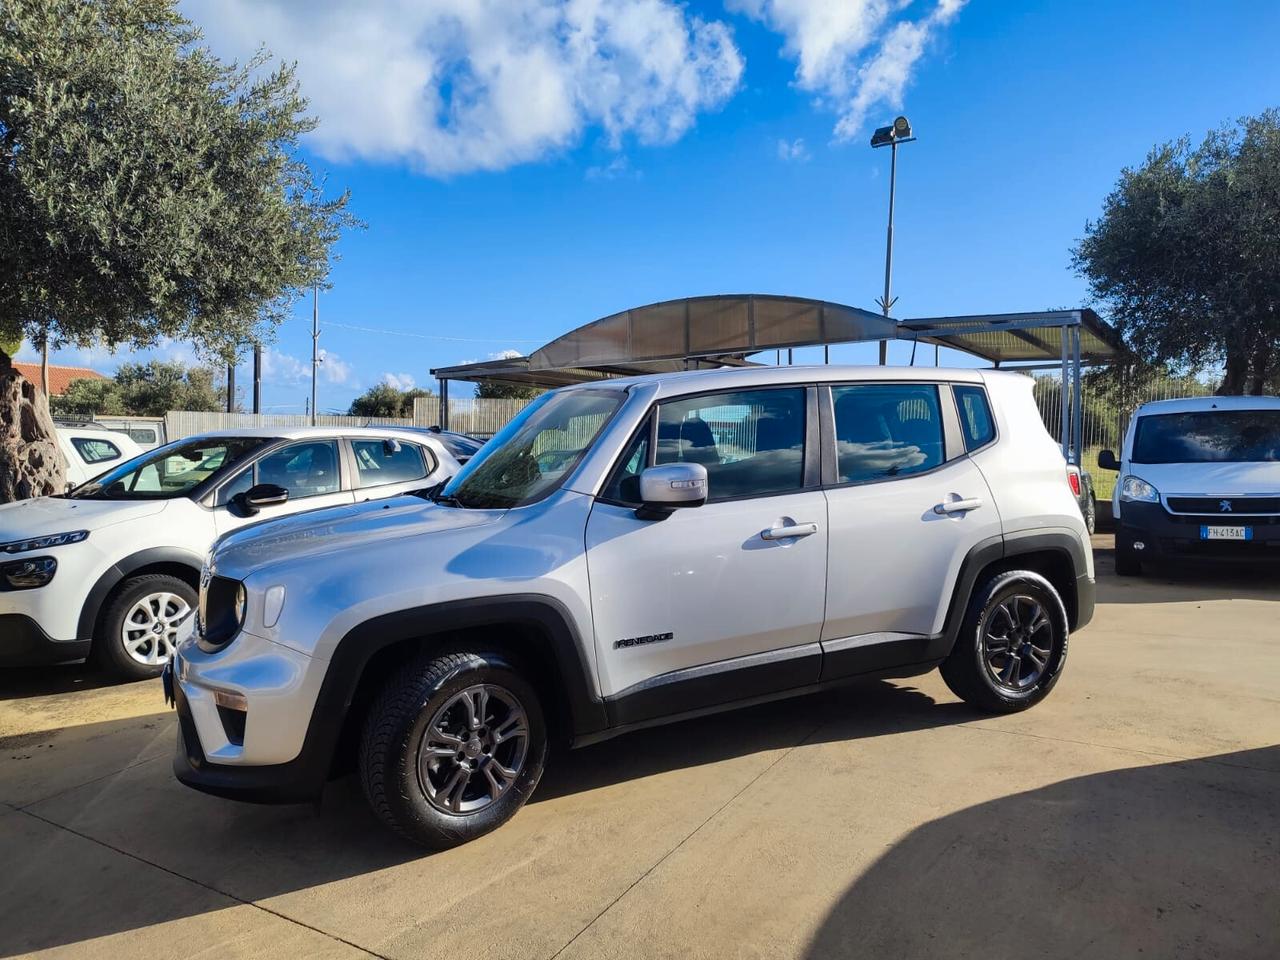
(309, 469)
(719, 602)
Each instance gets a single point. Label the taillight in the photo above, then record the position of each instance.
(1073, 479)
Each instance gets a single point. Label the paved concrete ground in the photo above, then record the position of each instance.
(1135, 812)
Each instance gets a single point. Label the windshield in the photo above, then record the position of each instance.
(533, 454)
(1208, 436)
(170, 471)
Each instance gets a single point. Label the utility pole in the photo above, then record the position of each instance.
(898, 132)
(231, 386)
(44, 365)
(315, 346)
(257, 377)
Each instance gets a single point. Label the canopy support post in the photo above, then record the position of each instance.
(1064, 423)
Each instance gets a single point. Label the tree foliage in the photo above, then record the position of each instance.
(148, 190)
(1185, 254)
(385, 400)
(144, 390)
(501, 390)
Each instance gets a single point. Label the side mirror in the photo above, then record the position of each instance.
(1107, 460)
(669, 487)
(263, 495)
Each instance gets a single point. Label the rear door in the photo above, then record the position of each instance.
(905, 504)
(718, 602)
(384, 467)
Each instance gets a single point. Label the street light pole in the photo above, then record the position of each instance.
(886, 301)
(315, 347)
(897, 132)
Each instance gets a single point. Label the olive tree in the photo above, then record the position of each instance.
(147, 190)
(1184, 255)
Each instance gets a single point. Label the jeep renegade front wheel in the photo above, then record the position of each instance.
(452, 748)
(1012, 645)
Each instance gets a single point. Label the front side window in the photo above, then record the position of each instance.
(533, 454)
(307, 469)
(886, 430)
(750, 441)
(624, 486)
(170, 471)
(384, 461)
(95, 451)
(975, 417)
(1208, 436)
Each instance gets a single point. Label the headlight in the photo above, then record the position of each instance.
(1135, 488)
(221, 612)
(44, 543)
(27, 574)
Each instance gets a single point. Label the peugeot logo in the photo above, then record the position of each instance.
(1224, 506)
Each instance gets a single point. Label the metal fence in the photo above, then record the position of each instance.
(186, 423)
(477, 416)
(1107, 410)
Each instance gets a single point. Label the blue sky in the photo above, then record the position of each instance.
(713, 148)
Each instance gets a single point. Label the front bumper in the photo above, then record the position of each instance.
(278, 748)
(1168, 535)
(23, 643)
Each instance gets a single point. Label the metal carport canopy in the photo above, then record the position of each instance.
(1034, 337)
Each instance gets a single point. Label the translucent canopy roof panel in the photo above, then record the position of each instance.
(731, 325)
(1018, 337)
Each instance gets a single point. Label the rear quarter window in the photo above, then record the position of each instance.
(976, 422)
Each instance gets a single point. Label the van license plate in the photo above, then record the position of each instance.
(1226, 533)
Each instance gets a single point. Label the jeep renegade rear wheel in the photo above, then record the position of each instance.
(452, 748)
(1012, 645)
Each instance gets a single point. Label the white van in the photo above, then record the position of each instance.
(1198, 477)
(91, 450)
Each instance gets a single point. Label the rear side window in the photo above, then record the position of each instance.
(886, 430)
(975, 417)
(95, 451)
(750, 441)
(380, 461)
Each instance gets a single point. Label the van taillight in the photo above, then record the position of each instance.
(1073, 479)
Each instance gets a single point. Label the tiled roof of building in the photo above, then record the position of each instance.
(60, 378)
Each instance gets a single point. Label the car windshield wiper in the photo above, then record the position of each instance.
(447, 499)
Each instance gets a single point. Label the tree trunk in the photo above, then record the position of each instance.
(1236, 374)
(1260, 371)
(31, 464)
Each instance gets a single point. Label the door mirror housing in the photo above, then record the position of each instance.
(670, 487)
(263, 495)
(1107, 460)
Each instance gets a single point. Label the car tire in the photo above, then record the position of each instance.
(138, 630)
(1018, 611)
(1128, 563)
(434, 738)
(1091, 515)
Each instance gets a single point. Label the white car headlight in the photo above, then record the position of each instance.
(44, 543)
(1135, 488)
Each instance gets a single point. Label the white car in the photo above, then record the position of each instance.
(628, 553)
(1199, 477)
(90, 451)
(113, 567)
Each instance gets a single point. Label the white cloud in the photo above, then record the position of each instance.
(335, 370)
(507, 354)
(284, 368)
(452, 86)
(855, 55)
(793, 150)
(615, 169)
(400, 381)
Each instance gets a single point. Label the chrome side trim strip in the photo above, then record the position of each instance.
(723, 666)
(865, 640)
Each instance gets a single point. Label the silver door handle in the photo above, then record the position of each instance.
(957, 506)
(787, 533)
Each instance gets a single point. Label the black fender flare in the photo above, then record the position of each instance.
(117, 572)
(1009, 547)
(547, 614)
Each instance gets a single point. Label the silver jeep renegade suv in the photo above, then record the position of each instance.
(629, 553)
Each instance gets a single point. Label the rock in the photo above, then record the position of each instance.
(31, 464)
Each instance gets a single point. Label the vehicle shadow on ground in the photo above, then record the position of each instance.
(21, 683)
(254, 853)
(1182, 581)
(1173, 859)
